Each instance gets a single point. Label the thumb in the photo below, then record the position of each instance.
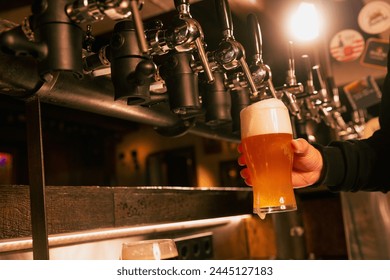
(300, 146)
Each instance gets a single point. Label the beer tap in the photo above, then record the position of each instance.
(261, 72)
(216, 100)
(132, 70)
(324, 106)
(42, 36)
(292, 87)
(230, 54)
(290, 101)
(132, 67)
(345, 131)
(291, 78)
(193, 36)
(126, 58)
(309, 87)
(89, 11)
(322, 92)
(178, 70)
(185, 35)
(318, 103)
(310, 95)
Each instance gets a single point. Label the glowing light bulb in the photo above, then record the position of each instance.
(305, 22)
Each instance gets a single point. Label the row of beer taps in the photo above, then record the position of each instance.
(150, 64)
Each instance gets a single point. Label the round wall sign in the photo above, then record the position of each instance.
(347, 45)
(374, 17)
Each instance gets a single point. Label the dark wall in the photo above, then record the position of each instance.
(79, 147)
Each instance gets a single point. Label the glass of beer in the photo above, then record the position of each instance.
(266, 136)
(154, 249)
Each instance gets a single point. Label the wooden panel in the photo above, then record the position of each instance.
(79, 208)
(172, 205)
(14, 211)
(76, 208)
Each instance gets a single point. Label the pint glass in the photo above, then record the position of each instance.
(154, 249)
(266, 136)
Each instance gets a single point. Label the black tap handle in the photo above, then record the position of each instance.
(254, 28)
(224, 17)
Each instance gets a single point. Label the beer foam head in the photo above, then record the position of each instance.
(265, 117)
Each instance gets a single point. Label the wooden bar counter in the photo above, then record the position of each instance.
(80, 208)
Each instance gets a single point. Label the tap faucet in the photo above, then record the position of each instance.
(185, 35)
(261, 72)
(230, 54)
(193, 36)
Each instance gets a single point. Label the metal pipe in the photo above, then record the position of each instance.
(16, 76)
(74, 238)
(93, 95)
(205, 131)
(96, 96)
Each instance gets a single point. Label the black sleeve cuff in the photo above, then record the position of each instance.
(332, 174)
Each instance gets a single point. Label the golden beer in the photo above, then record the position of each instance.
(266, 140)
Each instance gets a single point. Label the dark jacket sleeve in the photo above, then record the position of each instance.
(361, 165)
